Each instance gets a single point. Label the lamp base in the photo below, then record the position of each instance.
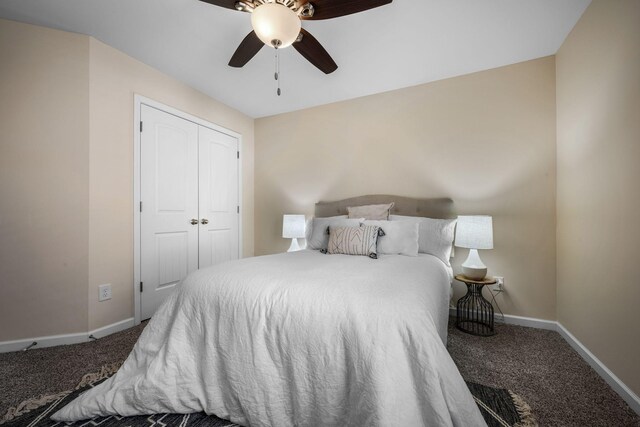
(294, 245)
(474, 273)
(473, 268)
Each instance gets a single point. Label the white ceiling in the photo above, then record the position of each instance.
(406, 43)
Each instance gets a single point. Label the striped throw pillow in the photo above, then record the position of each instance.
(354, 240)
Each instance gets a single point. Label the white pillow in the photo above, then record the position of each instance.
(400, 237)
(309, 226)
(435, 235)
(319, 237)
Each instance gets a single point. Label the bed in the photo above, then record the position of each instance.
(302, 338)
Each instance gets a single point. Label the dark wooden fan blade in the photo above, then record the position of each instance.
(227, 4)
(313, 51)
(327, 9)
(247, 50)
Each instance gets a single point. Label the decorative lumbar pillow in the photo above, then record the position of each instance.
(398, 237)
(435, 235)
(319, 236)
(371, 212)
(353, 240)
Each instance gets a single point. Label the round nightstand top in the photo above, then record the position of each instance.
(485, 281)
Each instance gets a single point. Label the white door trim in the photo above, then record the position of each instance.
(138, 101)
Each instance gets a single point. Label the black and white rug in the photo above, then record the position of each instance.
(499, 407)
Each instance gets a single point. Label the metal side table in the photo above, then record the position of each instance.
(474, 312)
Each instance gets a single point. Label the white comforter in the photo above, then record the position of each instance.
(300, 339)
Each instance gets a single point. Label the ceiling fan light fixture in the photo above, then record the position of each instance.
(275, 24)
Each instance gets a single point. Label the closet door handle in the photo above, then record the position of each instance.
(194, 222)
(204, 221)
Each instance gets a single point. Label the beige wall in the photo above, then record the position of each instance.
(44, 181)
(66, 176)
(487, 140)
(115, 78)
(598, 103)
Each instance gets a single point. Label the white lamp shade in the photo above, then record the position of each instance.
(474, 232)
(293, 226)
(273, 21)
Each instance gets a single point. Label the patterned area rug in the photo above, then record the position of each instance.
(499, 407)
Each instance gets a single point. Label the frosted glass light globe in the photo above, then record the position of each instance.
(276, 25)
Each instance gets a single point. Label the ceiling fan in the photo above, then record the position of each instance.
(277, 23)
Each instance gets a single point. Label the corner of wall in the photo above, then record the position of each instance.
(597, 105)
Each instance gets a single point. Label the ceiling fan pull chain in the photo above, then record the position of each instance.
(277, 73)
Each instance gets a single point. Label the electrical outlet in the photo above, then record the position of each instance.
(499, 286)
(104, 292)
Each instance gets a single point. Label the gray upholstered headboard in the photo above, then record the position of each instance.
(432, 208)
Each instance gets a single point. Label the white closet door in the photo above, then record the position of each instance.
(219, 228)
(169, 196)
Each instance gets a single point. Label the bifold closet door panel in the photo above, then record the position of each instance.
(169, 196)
(219, 217)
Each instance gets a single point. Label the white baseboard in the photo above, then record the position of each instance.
(65, 339)
(112, 328)
(614, 382)
(41, 342)
(530, 322)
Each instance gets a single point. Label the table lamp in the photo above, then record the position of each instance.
(474, 232)
(293, 227)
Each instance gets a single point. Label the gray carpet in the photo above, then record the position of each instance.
(538, 365)
(545, 371)
(33, 373)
